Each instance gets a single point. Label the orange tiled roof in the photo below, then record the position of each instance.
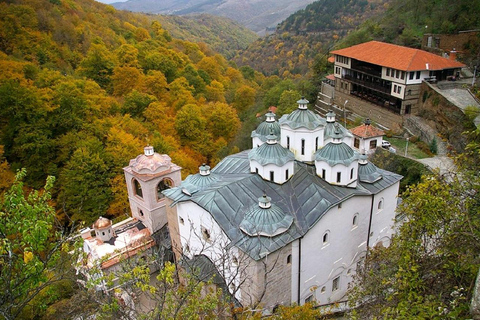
(397, 57)
(331, 59)
(367, 131)
(330, 77)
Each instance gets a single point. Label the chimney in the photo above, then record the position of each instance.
(453, 55)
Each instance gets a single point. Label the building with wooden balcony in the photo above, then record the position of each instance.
(389, 75)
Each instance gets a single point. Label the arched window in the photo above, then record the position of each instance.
(380, 204)
(351, 174)
(137, 188)
(289, 259)
(163, 185)
(303, 147)
(325, 238)
(288, 142)
(316, 143)
(355, 220)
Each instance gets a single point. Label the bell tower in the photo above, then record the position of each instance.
(147, 176)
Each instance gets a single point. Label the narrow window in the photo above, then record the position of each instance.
(339, 177)
(325, 238)
(356, 143)
(271, 176)
(388, 72)
(286, 174)
(335, 284)
(140, 212)
(288, 142)
(399, 90)
(323, 289)
(351, 174)
(323, 173)
(397, 75)
(355, 220)
(289, 259)
(403, 75)
(256, 170)
(380, 204)
(205, 234)
(137, 188)
(309, 299)
(303, 147)
(182, 221)
(373, 144)
(316, 143)
(103, 233)
(418, 75)
(411, 75)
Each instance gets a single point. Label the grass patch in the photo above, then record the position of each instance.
(413, 151)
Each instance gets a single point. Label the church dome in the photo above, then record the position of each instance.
(367, 171)
(334, 129)
(271, 153)
(265, 219)
(270, 125)
(102, 223)
(200, 180)
(150, 162)
(302, 117)
(336, 153)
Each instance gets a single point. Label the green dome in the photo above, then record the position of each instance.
(302, 118)
(336, 153)
(265, 128)
(271, 153)
(367, 171)
(265, 219)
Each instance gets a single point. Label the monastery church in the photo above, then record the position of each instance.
(287, 221)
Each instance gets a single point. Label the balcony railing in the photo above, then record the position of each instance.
(368, 84)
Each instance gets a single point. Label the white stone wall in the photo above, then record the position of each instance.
(296, 137)
(279, 173)
(331, 173)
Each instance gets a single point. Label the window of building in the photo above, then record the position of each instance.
(288, 142)
(418, 75)
(256, 170)
(351, 174)
(411, 75)
(309, 299)
(388, 72)
(355, 220)
(402, 75)
(137, 188)
(373, 144)
(356, 143)
(103, 233)
(163, 185)
(286, 174)
(325, 238)
(316, 143)
(303, 147)
(397, 74)
(339, 177)
(289, 259)
(140, 212)
(205, 234)
(399, 89)
(336, 284)
(323, 289)
(182, 221)
(235, 261)
(323, 173)
(380, 204)
(272, 175)
(394, 88)
(339, 206)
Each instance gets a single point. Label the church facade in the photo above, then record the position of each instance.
(287, 221)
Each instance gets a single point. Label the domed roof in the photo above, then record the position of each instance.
(367, 171)
(265, 219)
(336, 153)
(271, 153)
(150, 162)
(333, 129)
(302, 118)
(265, 128)
(102, 223)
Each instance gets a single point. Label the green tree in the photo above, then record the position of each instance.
(429, 270)
(288, 102)
(32, 251)
(98, 65)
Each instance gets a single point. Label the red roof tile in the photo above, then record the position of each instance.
(397, 57)
(330, 77)
(367, 131)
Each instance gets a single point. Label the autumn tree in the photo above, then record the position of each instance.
(429, 270)
(33, 251)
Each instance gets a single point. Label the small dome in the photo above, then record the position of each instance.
(332, 128)
(271, 153)
(204, 170)
(331, 117)
(102, 223)
(150, 162)
(367, 171)
(336, 153)
(265, 219)
(266, 127)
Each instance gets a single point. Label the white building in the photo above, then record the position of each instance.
(289, 220)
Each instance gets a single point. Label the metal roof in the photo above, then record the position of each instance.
(306, 197)
(302, 118)
(271, 154)
(336, 153)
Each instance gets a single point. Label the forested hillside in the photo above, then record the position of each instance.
(223, 35)
(307, 34)
(84, 88)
